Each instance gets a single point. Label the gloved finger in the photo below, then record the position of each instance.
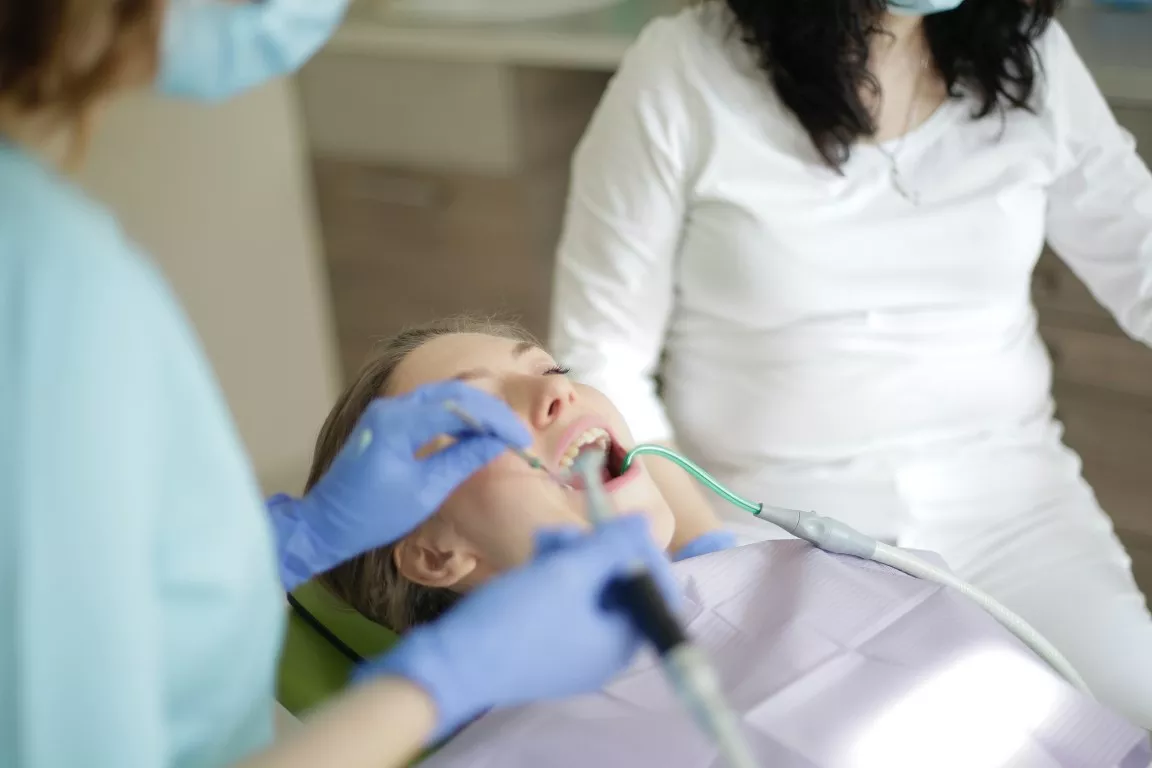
(491, 412)
(555, 540)
(404, 425)
(446, 469)
(495, 415)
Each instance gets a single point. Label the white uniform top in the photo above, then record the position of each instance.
(808, 315)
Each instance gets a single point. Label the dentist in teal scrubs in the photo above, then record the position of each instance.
(141, 576)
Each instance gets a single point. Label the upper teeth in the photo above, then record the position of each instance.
(594, 436)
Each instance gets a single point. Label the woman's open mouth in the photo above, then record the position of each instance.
(596, 438)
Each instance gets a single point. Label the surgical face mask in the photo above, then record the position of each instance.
(214, 49)
(922, 7)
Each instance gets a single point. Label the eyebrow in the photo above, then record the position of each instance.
(521, 348)
(518, 352)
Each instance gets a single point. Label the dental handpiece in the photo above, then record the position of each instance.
(687, 668)
(637, 591)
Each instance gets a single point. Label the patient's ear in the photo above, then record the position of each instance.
(435, 555)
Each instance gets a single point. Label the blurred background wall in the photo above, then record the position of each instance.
(221, 198)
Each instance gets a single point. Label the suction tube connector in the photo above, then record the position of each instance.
(827, 533)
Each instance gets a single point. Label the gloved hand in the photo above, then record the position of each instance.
(547, 630)
(708, 543)
(377, 490)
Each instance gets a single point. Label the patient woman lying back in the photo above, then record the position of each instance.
(829, 661)
(487, 526)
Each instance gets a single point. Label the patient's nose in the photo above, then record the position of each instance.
(553, 397)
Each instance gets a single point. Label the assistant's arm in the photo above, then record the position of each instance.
(615, 268)
(379, 724)
(1100, 208)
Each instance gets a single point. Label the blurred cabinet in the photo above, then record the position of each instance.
(1103, 386)
(440, 187)
(408, 246)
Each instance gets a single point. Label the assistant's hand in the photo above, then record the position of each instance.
(544, 631)
(378, 490)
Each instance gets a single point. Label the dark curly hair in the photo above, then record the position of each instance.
(816, 54)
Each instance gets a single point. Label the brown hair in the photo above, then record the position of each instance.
(372, 583)
(59, 59)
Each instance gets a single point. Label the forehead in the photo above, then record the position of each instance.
(448, 356)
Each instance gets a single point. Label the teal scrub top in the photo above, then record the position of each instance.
(140, 609)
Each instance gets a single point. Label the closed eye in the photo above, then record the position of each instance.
(558, 370)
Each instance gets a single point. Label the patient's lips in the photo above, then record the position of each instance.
(593, 433)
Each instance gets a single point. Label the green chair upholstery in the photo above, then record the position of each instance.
(312, 668)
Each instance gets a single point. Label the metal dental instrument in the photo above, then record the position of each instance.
(686, 666)
(474, 424)
(588, 465)
(836, 537)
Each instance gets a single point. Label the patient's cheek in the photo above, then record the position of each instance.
(489, 498)
(500, 509)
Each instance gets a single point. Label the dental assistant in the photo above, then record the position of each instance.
(141, 610)
(815, 223)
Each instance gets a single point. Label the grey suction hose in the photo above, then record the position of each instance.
(836, 537)
(918, 567)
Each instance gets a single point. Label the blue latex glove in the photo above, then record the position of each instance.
(376, 490)
(713, 541)
(544, 631)
(215, 49)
